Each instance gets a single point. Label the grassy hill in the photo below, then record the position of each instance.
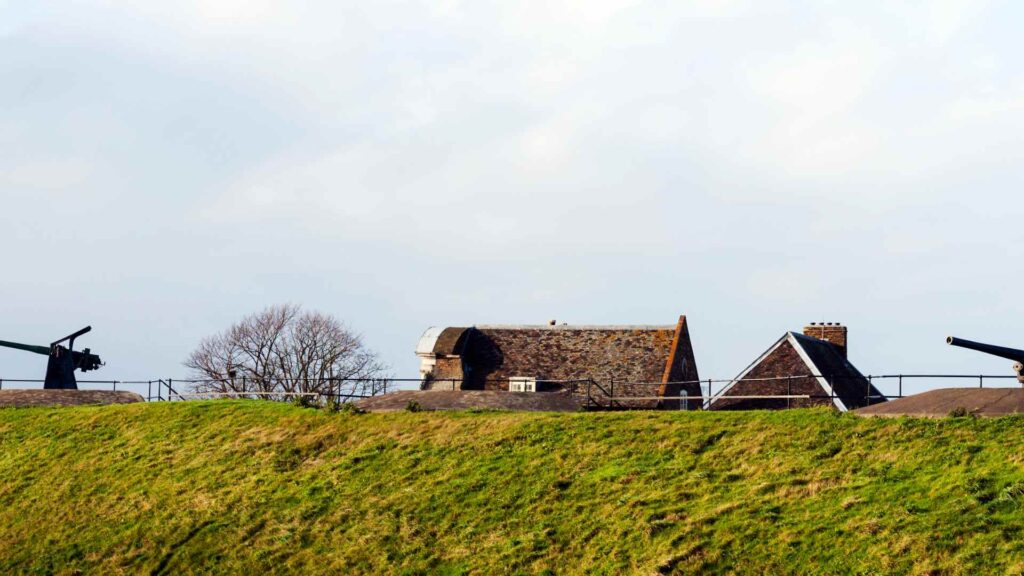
(250, 487)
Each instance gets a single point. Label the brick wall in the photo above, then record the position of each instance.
(681, 367)
(784, 361)
(447, 374)
(835, 333)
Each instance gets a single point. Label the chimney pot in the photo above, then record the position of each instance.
(552, 322)
(832, 332)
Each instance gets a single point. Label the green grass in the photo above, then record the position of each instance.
(250, 488)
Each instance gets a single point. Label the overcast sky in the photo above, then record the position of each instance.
(166, 168)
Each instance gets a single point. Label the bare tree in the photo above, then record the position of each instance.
(286, 350)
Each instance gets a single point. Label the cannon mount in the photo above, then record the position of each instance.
(60, 369)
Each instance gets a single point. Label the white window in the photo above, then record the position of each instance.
(684, 404)
(522, 384)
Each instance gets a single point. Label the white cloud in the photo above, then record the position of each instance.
(995, 107)
(60, 175)
(608, 158)
(944, 19)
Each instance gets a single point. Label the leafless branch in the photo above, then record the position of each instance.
(283, 349)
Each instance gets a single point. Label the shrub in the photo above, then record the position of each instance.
(304, 401)
(960, 412)
(350, 408)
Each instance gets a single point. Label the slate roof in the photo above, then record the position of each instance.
(824, 361)
(486, 357)
(846, 381)
(450, 341)
(636, 353)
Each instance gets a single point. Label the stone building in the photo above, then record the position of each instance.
(639, 361)
(811, 364)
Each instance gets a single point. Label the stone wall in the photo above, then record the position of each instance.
(560, 353)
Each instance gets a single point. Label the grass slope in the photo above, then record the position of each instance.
(250, 487)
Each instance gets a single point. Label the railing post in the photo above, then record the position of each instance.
(981, 381)
(149, 392)
(789, 391)
(901, 386)
(867, 396)
(611, 394)
(115, 385)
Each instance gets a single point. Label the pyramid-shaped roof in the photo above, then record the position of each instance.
(838, 379)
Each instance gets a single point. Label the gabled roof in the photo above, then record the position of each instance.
(570, 352)
(834, 373)
(560, 352)
(581, 327)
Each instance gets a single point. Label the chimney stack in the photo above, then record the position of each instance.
(832, 332)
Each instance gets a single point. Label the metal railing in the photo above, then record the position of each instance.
(603, 393)
(171, 389)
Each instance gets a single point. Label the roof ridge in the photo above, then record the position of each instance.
(805, 356)
(575, 327)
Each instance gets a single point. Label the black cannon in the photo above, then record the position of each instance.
(1009, 353)
(60, 370)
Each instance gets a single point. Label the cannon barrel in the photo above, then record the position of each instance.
(44, 350)
(1002, 352)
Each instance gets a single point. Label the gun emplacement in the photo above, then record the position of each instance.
(60, 369)
(1009, 353)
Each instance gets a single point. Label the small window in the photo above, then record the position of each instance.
(522, 384)
(684, 402)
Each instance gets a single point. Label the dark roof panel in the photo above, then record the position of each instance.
(450, 341)
(846, 381)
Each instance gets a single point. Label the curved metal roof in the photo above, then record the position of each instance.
(440, 340)
(429, 338)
